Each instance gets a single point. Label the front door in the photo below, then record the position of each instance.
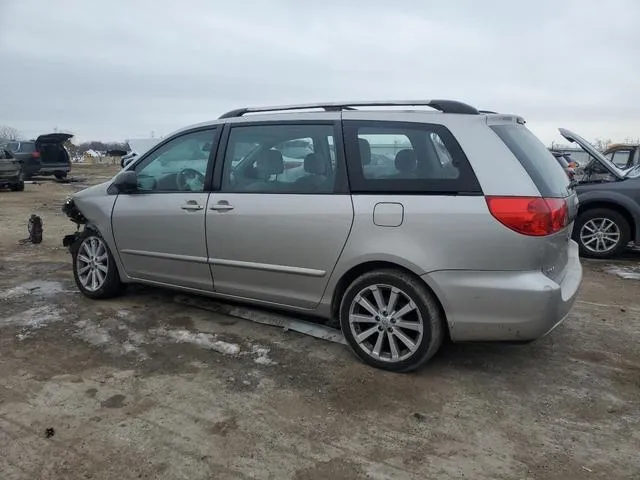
(159, 229)
(277, 227)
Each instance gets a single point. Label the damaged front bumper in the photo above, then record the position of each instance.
(75, 215)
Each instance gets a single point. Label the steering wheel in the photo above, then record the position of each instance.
(189, 179)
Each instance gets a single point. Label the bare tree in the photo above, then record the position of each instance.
(601, 145)
(8, 133)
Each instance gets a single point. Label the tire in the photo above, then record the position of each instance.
(60, 175)
(17, 187)
(90, 250)
(613, 225)
(426, 312)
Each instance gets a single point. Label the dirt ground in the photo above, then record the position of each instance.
(146, 387)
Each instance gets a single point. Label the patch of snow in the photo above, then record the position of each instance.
(99, 336)
(42, 288)
(262, 355)
(33, 319)
(628, 273)
(92, 333)
(205, 340)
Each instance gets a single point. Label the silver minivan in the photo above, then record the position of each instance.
(405, 226)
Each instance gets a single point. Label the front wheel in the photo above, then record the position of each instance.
(60, 175)
(391, 320)
(94, 269)
(601, 233)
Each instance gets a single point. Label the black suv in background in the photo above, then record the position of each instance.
(609, 198)
(45, 155)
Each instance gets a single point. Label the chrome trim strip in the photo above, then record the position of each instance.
(165, 256)
(307, 272)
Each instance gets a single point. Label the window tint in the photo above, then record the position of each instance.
(179, 165)
(538, 162)
(412, 158)
(284, 159)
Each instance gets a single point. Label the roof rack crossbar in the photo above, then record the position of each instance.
(445, 106)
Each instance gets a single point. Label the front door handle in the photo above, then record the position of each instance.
(222, 206)
(192, 206)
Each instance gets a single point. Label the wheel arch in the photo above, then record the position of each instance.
(356, 271)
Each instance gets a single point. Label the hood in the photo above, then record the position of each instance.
(52, 138)
(591, 150)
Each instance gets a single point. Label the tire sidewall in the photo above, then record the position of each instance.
(111, 285)
(417, 295)
(617, 218)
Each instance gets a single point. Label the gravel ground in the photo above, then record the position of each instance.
(145, 386)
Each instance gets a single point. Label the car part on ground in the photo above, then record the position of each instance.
(349, 214)
(609, 197)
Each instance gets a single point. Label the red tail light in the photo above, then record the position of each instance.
(35, 155)
(533, 216)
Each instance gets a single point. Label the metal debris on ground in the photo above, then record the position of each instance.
(322, 332)
(35, 230)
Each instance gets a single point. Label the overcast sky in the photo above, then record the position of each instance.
(117, 69)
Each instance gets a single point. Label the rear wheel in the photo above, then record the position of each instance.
(391, 320)
(60, 175)
(601, 233)
(19, 185)
(94, 269)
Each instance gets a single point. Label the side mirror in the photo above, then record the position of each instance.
(126, 182)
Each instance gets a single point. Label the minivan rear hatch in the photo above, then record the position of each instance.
(554, 187)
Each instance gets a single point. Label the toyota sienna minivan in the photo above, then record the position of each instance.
(405, 226)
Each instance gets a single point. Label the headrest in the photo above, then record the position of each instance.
(314, 163)
(406, 160)
(365, 151)
(271, 163)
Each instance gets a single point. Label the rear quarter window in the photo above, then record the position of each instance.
(406, 157)
(538, 162)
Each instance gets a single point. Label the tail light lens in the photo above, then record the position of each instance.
(534, 216)
(35, 155)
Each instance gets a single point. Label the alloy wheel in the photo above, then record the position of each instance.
(386, 323)
(600, 235)
(92, 263)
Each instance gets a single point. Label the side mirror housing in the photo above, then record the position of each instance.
(126, 182)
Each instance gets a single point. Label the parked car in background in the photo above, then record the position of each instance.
(623, 155)
(609, 212)
(430, 244)
(568, 165)
(11, 171)
(46, 155)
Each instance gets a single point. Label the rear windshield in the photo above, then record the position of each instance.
(539, 163)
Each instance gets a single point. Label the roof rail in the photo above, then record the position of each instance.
(445, 106)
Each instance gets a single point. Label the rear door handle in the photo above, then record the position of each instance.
(222, 206)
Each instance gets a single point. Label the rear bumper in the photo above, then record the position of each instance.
(50, 168)
(506, 306)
